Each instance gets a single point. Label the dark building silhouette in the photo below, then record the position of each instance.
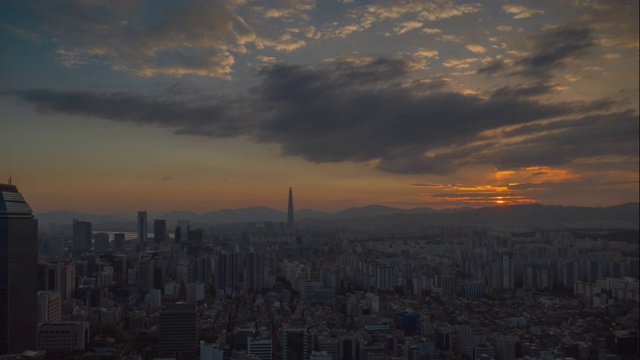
(159, 231)
(178, 329)
(118, 242)
(142, 226)
(290, 210)
(82, 232)
(18, 273)
(295, 343)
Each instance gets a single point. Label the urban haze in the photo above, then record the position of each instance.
(319, 180)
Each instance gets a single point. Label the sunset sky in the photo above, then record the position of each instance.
(117, 106)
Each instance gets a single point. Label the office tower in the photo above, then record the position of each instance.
(290, 210)
(118, 242)
(159, 231)
(210, 351)
(253, 272)
(505, 347)
(49, 306)
(81, 235)
(58, 276)
(260, 348)
(241, 336)
(481, 351)
(142, 226)
(63, 336)
(203, 270)
(308, 291)
(178, 329)
(145, 271)
(347, 347)
(330, 345)
(228, 272)
(18, 273)
(159, 273)
(177, 235)
(182, 231)
(102, 243)
(295, 343)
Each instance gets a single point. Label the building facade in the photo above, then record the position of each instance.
(18, 272)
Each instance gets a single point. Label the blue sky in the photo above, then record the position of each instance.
(114, 106)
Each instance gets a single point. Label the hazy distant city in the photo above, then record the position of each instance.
(319, 180)
(368, 283)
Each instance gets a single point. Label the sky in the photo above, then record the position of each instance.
(111, 106)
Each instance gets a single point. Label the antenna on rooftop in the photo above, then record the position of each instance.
(10, 179)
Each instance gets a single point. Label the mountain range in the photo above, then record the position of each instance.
(625, 215)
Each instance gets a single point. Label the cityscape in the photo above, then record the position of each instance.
(308, 289)
(319, 180)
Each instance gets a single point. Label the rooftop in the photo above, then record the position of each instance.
(12, 204)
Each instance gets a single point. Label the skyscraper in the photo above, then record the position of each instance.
(142, 226)
(159, 231)
(82, 232)
(295, 343)
(18, 273)
(178, 329)
(290, 210)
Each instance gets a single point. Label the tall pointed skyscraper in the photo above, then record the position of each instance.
(290, 210)
(18, 273)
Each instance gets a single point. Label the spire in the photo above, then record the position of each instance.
(10, 179)
(290, 210)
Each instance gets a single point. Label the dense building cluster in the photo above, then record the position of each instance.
(267, 291)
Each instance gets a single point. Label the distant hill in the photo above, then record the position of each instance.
(625, 215)
(60, 217)
(375, 216)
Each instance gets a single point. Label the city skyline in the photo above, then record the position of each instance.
(209, 105)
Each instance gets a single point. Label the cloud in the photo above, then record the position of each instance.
(504, 28)
(266, 59)
(365, 108)
(450, 38)
(406, 27)
(290, 8)
(427, 53)
(459, 62)
(19, 32)
(367, 15)
(199, 37)
(217, 118)
(611, 56)
(540, 88)
(285, 42)
(551, 50)
(431, 31)
(478, 49)
(521, 12)
(166, 178)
